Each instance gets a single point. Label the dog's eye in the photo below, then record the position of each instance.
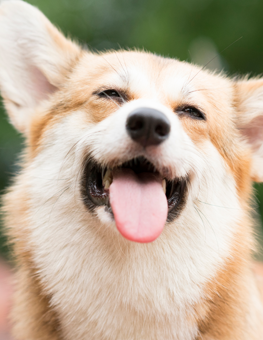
(109, 94)
(192, 112)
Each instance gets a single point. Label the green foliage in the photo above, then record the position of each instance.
(167, 27)
(10, 145)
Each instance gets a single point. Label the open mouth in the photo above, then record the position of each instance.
(135, 193)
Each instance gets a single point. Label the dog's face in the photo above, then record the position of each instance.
(142, 139)
(138, 138)
(126, 146)
(151, 127)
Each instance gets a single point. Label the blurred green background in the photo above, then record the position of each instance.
(192, 30)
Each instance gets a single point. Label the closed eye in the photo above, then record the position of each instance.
(109, 94)
(190, 111)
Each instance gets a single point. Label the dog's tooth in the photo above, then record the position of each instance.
(107, 179)
(107, 184)
(164, 185)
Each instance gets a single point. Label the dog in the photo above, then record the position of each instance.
(130, 218)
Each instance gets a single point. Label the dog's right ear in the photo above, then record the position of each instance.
(35, 59)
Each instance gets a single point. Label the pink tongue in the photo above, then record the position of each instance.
(139, 205)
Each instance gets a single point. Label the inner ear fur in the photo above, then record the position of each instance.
(249, 96)
(35, 60)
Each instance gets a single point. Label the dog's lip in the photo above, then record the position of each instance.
(96, 181)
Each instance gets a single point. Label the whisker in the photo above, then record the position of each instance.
(201, 220)
(210, 227)
(114, 69)
(217, 206)
(125, 69)
(214, 59)
(112, 99)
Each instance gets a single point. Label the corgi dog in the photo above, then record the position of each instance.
(130, 217)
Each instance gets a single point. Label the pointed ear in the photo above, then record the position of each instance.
(250, 121)
(35, 59)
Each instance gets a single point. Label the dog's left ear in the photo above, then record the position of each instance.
(35, 60)
(249, 102)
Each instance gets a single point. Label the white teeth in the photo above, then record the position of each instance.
(107, 179)
(164, 185)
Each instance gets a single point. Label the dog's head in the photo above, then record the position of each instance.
(127, 139)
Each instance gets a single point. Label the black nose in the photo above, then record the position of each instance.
(148, 126)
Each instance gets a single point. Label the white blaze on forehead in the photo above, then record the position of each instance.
(176, 86)
(140, 81)
(152, 81)
(114, 78)
(169, 84)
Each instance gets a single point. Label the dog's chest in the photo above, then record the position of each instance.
(113, 311)
(130, 296)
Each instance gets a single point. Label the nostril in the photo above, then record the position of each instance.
(135, 123)
(162, 130)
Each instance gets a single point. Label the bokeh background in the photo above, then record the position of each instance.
(230, 32)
